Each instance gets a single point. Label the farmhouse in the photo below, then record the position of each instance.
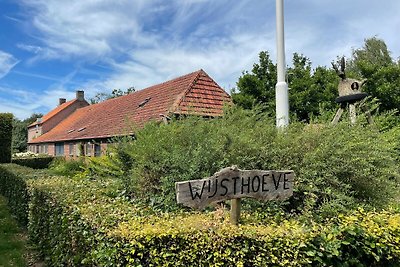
(75, 128)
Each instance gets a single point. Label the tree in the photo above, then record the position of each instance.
(367, 60)
(309, 89)
(100, 97)
(20, 132)
(374, 63)
(257, 87)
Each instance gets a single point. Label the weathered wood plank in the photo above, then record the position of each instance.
(232, 183)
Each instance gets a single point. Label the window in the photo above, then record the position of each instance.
(59, 149)
(97, 150)
(37, 151)
(80, 149)
(71, 149)
(88, 149)
(46, 148)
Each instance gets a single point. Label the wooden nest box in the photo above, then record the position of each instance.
(349, 89)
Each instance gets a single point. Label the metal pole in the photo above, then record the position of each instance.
(281, 88)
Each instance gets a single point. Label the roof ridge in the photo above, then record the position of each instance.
(149, 87)
(60, 107)
(181, 97)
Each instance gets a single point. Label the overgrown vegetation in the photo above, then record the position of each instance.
(62, 166)
(337, 167)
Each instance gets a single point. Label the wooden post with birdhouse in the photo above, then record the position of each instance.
(350, 92)
(233, 184)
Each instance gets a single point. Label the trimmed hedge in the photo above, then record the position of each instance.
(90, 223)
(6, 126)
(34, 163)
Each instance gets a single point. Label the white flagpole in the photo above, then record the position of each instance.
(281, 88)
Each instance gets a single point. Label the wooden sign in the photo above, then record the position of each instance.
(233, 183)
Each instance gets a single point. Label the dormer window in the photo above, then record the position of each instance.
(144, 102)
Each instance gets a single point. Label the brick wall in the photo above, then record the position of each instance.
(57, 118)
(34, 132)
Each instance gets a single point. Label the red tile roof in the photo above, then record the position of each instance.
(54, 112)
(194, 93)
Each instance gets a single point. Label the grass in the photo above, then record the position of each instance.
(12, 239)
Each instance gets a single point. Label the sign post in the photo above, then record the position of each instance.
(234, 184)
(235, 211)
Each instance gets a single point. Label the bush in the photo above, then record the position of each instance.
(89, 223)
(6, 126)
(67, 167)
(42, 162)
(337, 167)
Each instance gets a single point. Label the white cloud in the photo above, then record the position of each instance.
(92, 29)
(30, 48)
(144, 42)
(7, 62)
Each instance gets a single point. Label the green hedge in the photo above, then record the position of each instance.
(14, 187)
(6, 126)
(90, 223)
(34, 162)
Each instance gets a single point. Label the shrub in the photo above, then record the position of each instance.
(42, 162)
(337, 167)
(6, 126)
(67, 167)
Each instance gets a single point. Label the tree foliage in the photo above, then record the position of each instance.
(374, 63)
(100, 97)
(20, 132)
(257, 87)
(310, 89)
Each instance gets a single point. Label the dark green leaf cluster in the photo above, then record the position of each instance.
(42, 162)
(6, 127)
(310, 90)
(374, 63)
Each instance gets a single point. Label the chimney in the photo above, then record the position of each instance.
(61, 101)
(80, 95)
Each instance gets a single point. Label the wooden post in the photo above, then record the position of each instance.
(337, 116)
(353, 115)
(235, 211)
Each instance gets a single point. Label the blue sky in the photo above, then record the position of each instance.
(51, 48)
